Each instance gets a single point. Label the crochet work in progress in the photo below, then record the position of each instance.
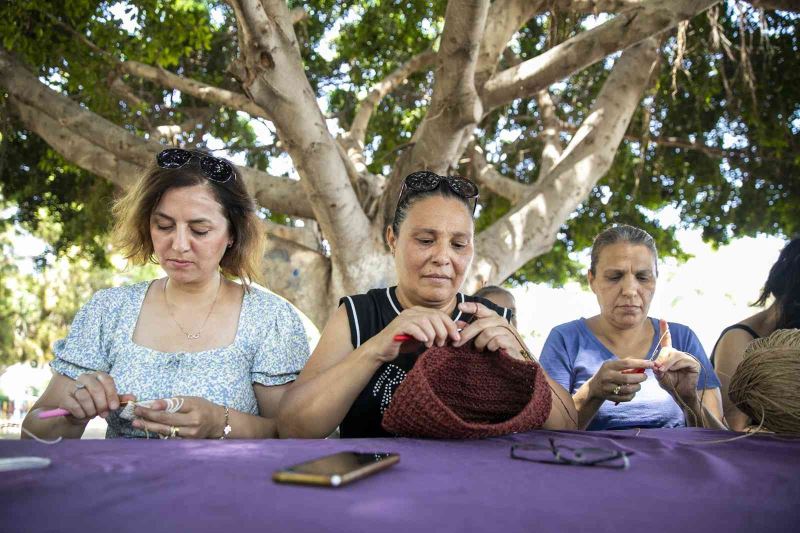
(460, 393)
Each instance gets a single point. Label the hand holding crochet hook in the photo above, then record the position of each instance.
(194, 417)
(677, 372)
(490, 331)
(413, 328)
(91, 394)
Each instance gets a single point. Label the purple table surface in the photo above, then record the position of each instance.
(673, 484)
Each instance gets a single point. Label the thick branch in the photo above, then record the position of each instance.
(94, 143)
(629, 27)
(298, 14)
(552, 141)
(530, 229)
(305, 236)
(203, 91)
(781, 5)
(488, 177)
(159, 76)
(275, 77)
(505, 18)
(596, 6)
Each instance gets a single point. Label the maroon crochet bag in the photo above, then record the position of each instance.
(460, 393)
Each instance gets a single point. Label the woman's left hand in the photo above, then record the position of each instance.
(197, 418)
(677, 372)
(490, 331)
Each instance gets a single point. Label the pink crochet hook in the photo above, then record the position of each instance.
(53, 413)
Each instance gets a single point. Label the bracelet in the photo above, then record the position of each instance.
(226, 430)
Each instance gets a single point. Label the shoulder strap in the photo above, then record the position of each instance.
(743, 327)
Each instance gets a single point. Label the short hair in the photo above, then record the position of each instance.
(404, 204)
(486, 290)
(621, 233)
(133, 211)
(783, 283)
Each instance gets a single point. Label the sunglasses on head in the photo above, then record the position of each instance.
(425, 181)
(213, 168)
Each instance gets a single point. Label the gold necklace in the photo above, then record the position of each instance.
(191, 336)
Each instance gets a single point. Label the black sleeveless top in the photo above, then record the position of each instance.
(748, 329)
(367, 315)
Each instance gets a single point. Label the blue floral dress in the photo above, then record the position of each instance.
(270, 348)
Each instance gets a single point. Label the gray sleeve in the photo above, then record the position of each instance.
(86, 347)
(284, 349)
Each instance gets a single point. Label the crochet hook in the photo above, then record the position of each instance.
(53, 413)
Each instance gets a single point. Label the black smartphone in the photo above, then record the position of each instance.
(337, 469)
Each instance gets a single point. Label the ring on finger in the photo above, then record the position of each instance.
(616, 390)
(78, 386)
(173, 432)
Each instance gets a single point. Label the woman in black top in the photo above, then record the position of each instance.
(783, 285)
(358, 364)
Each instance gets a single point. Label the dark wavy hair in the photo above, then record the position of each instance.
(406, 201)
(783, 284)
(133, 211)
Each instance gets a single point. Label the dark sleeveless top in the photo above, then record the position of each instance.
(367, 315)
(748, 329)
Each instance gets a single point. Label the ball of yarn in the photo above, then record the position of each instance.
(766, 384)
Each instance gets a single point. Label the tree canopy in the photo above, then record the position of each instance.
(636, 106)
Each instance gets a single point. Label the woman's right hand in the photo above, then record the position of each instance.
(92, 394)
(612, 382)
(426, 326)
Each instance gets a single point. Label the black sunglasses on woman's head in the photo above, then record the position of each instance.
(213, 168)
(424, 181)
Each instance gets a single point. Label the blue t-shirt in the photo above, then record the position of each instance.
(572, 354)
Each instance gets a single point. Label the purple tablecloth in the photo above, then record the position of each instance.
(673, 484)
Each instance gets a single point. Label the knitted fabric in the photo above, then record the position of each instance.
(460, 393)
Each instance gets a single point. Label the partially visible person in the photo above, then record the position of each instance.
(220, 352)
(359, 362)
(765, 384)
(500, 296)
(782, 292)
(623, 368)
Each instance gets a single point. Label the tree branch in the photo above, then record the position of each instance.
(780, 5)
(596, 6)
(530, 229)
(366, 107)
(505, 18)
(488, 177)
(303, 236)
(203, 91)
(298, 14)
(552, 141)
(275, 76)
(94, 143)
(159, 76)
(629, 27)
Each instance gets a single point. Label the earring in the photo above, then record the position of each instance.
(230, 245)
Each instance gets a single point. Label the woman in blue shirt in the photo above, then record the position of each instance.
(623, 368)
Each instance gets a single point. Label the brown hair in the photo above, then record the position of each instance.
(133, 211)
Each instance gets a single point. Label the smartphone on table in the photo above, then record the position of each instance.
(337, 469)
